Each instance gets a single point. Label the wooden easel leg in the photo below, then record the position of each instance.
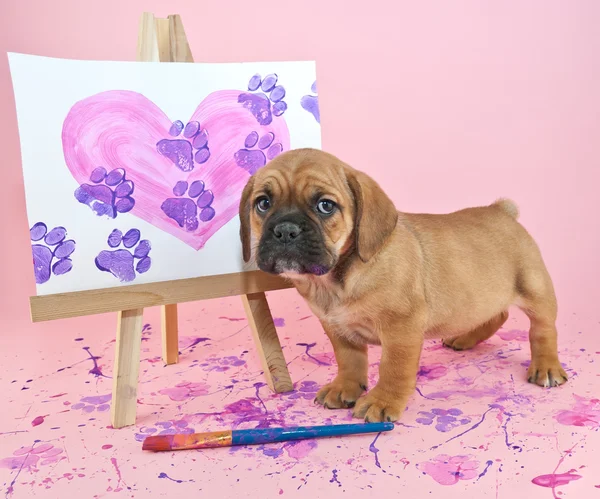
(170, 334)
(164, 40)
(126, 368)
(267, 342)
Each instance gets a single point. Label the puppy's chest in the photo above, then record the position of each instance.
(348, 323)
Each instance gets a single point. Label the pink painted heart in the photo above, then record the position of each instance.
(129, 157)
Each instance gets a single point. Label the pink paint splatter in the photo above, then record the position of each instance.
(585, 412)
(555, 479)
(300, 449)
(448, 470)
(107, 446)
(32, 456)
(185, 390)
(514, 334)
(113, 460)
(38, 420)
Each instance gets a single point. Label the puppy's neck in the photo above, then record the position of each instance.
(335, 278)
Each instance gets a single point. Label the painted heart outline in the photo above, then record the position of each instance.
(118, 140)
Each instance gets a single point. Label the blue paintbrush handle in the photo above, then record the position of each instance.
(267, 435)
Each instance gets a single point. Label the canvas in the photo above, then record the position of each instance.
(133, 171)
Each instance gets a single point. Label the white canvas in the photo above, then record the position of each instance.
(91, 131)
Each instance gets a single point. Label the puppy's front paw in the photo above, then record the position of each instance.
(340, 393)
(546, 373)
(377, 406)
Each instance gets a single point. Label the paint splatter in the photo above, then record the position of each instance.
(164, 475)
(445, 419)
(186, 390)
(38, 420)
(555, 479)
(449, 470)
(96, 371)
(375, 451)
(164, 428)
(431, 372)
(514, 334)
(334, 478)
(300, 449)
(100, 403)
(113, 460)
(488, 464)
(314, 358)
(585, 412)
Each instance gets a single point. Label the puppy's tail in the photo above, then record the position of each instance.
(508, 207)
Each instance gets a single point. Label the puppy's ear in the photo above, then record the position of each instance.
(375, 217)
(245, 208)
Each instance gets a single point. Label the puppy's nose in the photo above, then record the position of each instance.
(286, 232)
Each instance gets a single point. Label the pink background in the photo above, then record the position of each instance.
(448, 105)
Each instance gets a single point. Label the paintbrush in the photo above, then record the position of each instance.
(230, 438)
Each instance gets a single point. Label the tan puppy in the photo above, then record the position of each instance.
(374, 275)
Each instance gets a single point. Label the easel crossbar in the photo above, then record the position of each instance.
(136, 296)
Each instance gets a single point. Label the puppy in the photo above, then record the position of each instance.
(373, 275)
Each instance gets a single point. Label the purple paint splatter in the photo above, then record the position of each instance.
(334, 478)
(308, 346)
(487, 467)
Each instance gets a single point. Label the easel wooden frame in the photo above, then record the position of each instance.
(164, 40)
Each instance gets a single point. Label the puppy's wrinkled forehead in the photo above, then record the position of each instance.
(300, 176)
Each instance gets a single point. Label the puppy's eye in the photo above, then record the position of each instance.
(326, 206)
(263, 204)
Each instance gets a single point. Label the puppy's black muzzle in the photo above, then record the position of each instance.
(292, 242)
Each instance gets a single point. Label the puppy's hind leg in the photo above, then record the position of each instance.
(538, 301)
(477, 335)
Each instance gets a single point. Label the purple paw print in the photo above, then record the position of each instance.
(222, 364)
(44, 256)
(262, 106)
(181, 151)
(307, 390)
(310, 103)
(120, 262)
(110, 193)
(100, 403)
(164, 428)
(445, 420)
(184, 210)
(257, 151)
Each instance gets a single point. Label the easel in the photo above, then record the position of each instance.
(164, 40)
